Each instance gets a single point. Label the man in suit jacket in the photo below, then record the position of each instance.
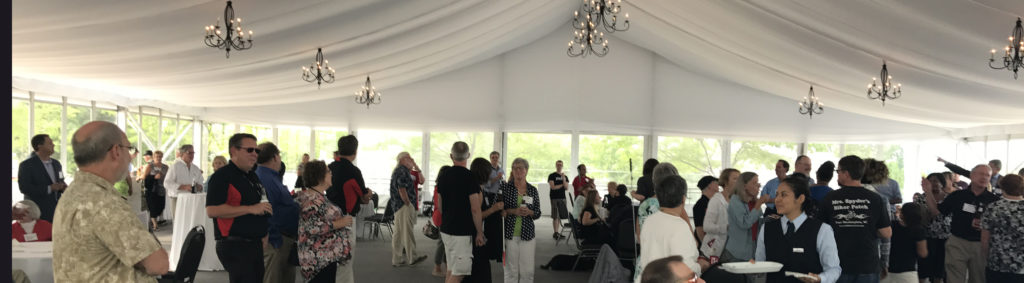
(40, 178)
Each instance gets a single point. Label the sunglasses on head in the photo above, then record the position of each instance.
(249, 149)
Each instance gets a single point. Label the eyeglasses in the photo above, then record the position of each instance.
(131, 149)
(249, 149)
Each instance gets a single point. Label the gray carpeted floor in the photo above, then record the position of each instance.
(373, 259)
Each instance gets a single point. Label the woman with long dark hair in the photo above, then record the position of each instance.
(908, 244)
(490, 208)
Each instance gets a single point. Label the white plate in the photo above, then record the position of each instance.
(747, 267)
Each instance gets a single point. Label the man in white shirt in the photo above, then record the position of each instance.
(666, 232)
(183, 174)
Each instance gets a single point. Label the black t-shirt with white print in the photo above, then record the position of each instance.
(855, 215)
(558, 179)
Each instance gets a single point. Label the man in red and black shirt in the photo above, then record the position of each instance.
(347, 189)
(580, 181)
(238, 205)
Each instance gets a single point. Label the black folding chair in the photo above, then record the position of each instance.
(377, 220)
(188, 262)
(585, 250)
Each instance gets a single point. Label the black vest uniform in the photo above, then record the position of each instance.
(780, 249)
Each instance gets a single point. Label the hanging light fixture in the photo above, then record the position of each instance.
(586, 22)
(318, 71)
(368, 94)
(811, 105)
(232, 37)
(1013, 58)
(887, 89)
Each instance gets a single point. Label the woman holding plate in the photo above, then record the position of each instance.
(806, 247)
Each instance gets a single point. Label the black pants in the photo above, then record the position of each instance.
(326, 275)
(155, 203)
(996, 276)
(242, 259)
(481, 266)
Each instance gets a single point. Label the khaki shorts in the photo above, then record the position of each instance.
(459, 253)
(558, 209)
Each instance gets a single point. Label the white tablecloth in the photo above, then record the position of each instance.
(35, 258)
(191, 212)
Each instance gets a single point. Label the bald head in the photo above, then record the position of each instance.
(981, 176)
(92, 141)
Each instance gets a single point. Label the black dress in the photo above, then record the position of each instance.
(155, 190)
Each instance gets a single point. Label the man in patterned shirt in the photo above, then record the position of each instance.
(96, 236)
(403, 196)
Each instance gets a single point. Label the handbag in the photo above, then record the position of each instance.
(431, 231)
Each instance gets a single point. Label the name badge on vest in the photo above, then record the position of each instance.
(969, 208)
(31, 237)
(798, 250)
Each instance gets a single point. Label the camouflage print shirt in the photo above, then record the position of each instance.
(96, 237)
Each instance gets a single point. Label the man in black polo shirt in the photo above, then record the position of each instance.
(964, 257)
(859, 218)
(238, 205)
(558, 182)
(348, 190)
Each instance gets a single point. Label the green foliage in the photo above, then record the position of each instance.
(541, 150)
(892, 154)
(607, 158)
(293, 142)
(759, 156)
(326, 144)
(21, 146)
(693, 157)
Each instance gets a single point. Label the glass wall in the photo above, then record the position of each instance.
(327, 143)
(262, 133)
(481, 144)
(693, 157)
(541, 150)
(608, 159)
(215, 142)
(21, 145)
(77, 116)
(760, 157)
(892, 154)
(377, 153)
(1014, 161)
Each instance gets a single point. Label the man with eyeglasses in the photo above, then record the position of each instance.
(238, 204)
(96, 236)
(183, 176)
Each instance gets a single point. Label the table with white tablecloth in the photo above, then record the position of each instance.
(191, 212)
(35, 258)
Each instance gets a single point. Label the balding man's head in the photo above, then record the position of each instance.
(981, 176)
(97, 148)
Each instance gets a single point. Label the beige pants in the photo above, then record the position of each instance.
(404, 241)
(964, 261)
(519, 260)
(902, 277)
(275, 262)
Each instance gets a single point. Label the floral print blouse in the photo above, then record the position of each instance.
(939, 227)
(1004, 219)
(319, 244)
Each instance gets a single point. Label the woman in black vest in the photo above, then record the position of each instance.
(802, 244)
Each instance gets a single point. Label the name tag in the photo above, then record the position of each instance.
(528, 199)
(969, 208)
(31, 237)
(798, 250)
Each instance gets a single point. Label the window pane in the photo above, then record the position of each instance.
(77, 116)
(327, 144)
(106, 115)
(215, 143)
(693, 157)
(892, 154)
(996, 149)
(377, 152)
(608, 159)
(541, 150)
(819, 154)
(151, 132)
(760, 157)
(21, 146)
(263, 134)
(481, 144)
(47, 121)
(1015, 158)
(293, 143)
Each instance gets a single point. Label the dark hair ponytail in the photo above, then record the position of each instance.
(798, 183)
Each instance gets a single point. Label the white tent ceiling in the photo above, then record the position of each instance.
(713, 68)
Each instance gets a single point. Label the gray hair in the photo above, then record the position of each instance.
(31, 206)
(460, 151)
(184, 148)
(401, 155)
(663, 170)
(739, 188)
(521, 161)
(94, 147)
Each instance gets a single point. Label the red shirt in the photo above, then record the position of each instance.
(437, 209)
(416, 184)
(42, 229)
(578, 183)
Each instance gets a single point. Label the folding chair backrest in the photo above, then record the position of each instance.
(191, 254)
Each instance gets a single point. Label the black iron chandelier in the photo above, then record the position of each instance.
(811, 105)
(232, 37)
(886, 89)
(368, 94)
(318, 71)
(1013, 58)
(586, 22)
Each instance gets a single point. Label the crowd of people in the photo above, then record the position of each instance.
(951, 231)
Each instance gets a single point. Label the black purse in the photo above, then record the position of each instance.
(431, 231)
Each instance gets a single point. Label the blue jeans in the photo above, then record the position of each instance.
(858, 278)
